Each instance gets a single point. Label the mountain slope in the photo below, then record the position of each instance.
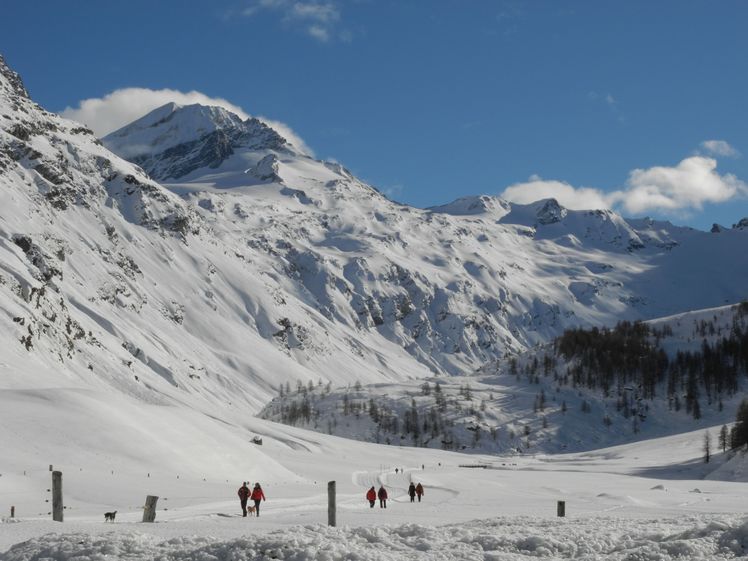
(272, 266)
(455, 285)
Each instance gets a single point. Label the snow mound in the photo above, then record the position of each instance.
(497, 539)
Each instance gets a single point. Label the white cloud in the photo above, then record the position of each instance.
(536, 188)
(323, 13)
(610, 101)
(689, 185)
(318, 32)
(719, 148)
(121, 107)
(319, 20)
(686, 186)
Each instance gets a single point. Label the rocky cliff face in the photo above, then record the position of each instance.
(250, 264)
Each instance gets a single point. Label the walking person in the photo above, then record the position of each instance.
(243, 496)
(371, 496)
(412, 492)
(382, 494)
(419, 491)
(257, 496)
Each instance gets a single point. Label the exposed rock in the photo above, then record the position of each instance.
(551, 212)
(266, 169)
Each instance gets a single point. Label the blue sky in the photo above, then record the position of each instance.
(435, 99)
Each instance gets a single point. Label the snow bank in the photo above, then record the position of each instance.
(492, 540)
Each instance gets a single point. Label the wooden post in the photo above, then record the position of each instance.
(561, 508)
(12, 512)
(331, 503)
(57, 496)
(149, 510)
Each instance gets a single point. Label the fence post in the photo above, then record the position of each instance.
(561, 508)
(57, 496)
(149, 510)
(331, 503)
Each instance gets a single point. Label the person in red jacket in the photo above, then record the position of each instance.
(382, 494)
(243, 496)
(419, 491)
(257, 496)
(371, 496)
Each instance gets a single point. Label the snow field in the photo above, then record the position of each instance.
(499, 539)
(505, 511)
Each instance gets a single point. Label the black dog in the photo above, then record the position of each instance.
(109, 516)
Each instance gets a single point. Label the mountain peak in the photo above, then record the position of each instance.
(168, 126)
(550, 212)
(481, 204)
(11, 80)
(174, 140)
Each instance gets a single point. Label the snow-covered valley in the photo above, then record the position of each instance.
(621, 503)
(145, 320)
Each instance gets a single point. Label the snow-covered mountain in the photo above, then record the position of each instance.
(272, 266)
(173, 141)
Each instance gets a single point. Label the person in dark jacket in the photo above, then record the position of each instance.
(243, 496)
(371, 496)
(412, 492)
(382, 494)
(419, 491)
(257, 496)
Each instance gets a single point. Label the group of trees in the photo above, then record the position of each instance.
(734, 438)
(630, 357)
(448, 419)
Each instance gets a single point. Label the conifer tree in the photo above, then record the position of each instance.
(707, 447)
(723, 437)
(740, 430)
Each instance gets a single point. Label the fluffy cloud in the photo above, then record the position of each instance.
(536, 188)
(106, 114)
(319, 20)
(686, 186)
(719, 148)
(689, 185)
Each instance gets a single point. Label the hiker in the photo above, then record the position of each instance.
(382, 494)
(419, 491)
(243, 496)
(412, 492)
(257, 496)
(371, 496)
(395, 471)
